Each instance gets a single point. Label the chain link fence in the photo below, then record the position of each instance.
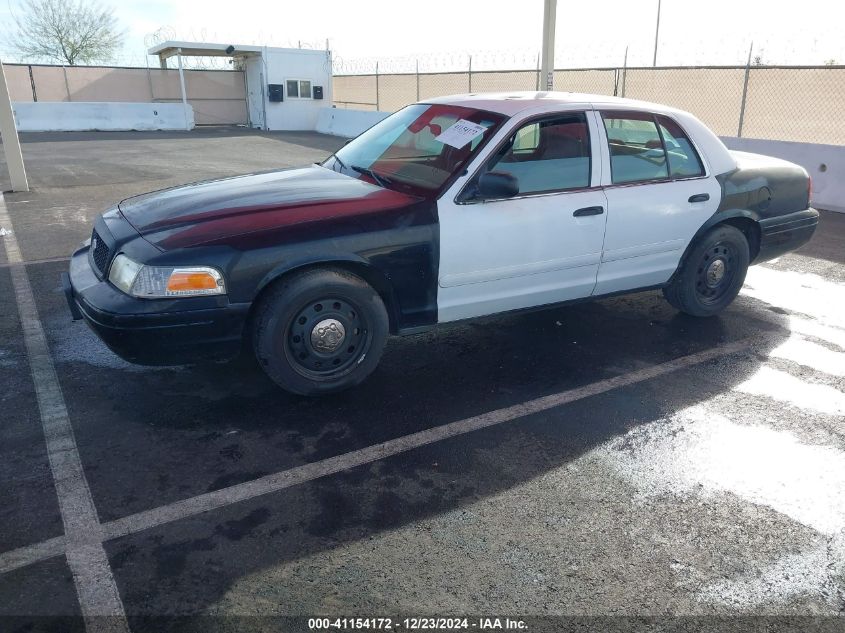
(788, 103)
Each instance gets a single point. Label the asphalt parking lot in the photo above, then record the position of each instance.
(605, 459)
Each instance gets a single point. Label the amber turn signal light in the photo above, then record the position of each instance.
(182, 281)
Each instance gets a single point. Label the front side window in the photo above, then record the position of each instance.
(636, 149)
(419, 148)
(548, 155)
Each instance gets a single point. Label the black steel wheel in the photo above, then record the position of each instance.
(712, 273)
(327, 337)
(319, 331)
(715, 273)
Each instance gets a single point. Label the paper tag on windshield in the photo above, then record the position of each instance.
(460, 133)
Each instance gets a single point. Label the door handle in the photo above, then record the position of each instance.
(699, 197)
(588, 211)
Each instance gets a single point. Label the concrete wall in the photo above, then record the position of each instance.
(348, 123)
(48, 117)
(217, 96)
(824, 163)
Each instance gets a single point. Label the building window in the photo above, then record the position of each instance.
(298, 88)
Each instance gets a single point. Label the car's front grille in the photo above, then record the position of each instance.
(100, 252)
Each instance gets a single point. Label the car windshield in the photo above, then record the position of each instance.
(418, 148)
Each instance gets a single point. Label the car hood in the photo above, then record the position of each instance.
(227, 210)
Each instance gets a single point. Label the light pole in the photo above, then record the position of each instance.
(547, 67)
(656, 34)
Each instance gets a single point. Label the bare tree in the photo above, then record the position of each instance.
(66, 31)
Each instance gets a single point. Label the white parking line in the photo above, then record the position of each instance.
(31, 262)
(23, 556)
(308, 472)
(92, 576)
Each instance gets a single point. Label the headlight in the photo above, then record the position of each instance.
(123, 272)
(164, 281)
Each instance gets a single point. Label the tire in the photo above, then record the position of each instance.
(711, 275)
(320, 331)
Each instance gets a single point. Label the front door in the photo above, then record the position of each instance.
(538, 247)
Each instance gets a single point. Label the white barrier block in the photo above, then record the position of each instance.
(348, 123)
(43, 116)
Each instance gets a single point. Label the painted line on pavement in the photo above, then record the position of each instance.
(32, 262)
(308, 472)
(83, 540)
(23, 556)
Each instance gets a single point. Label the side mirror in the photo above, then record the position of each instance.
(497, 184)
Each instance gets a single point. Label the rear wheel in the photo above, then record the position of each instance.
(712, 274)
(320, 331)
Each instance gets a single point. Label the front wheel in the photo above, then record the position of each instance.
(711, 276)
(320, 331)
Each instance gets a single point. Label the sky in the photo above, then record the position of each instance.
(498, 34)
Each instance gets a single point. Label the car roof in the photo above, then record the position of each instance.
(514, 102)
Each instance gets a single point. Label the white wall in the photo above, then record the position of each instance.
(824, 163)
(281, 64)
(348, 123)
(44, 116)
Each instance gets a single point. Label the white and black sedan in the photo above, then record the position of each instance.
(455, 208)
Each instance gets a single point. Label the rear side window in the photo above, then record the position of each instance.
(548, 155)
(636, 149)
(683, 159)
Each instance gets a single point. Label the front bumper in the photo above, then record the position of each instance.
(153, 331)
(786, 233)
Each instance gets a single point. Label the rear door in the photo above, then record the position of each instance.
(658, 195)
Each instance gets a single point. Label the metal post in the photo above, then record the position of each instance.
(537, 86)
(470, 74)
(624, 71)
(744, 91)
(263, 77)
(150, 82)
(67, 84)
(548, 54)
(418, 80)
(9, 136)
(656, 34)
(32, 83)
(184, 94)
(377, 93)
